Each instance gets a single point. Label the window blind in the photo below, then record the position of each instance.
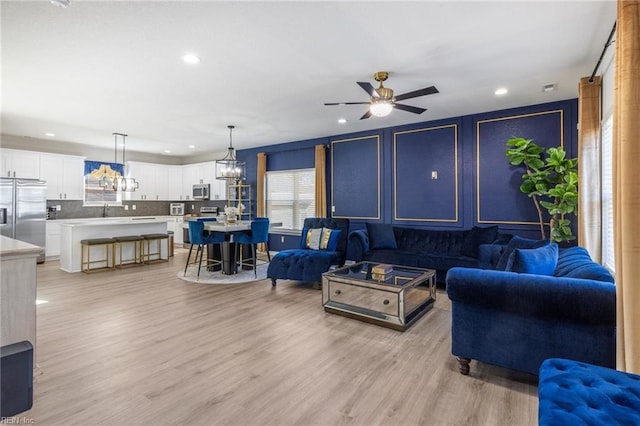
(291, 197)
(608, 252)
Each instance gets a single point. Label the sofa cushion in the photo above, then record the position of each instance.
(516, 243)
(381, 236)
(329, 239)
(575, 262)
(477, 236)
(541, 260)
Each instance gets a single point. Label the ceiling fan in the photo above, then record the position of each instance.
(382, 99)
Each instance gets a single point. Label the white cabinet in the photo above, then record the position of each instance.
(64, 175)
(175, 183)
(203, 173)
(52, 239)
(175, 225)
(153, 181)
(18, 163)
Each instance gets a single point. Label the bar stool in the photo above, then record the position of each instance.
(109, 246)
(198, 237)
(146, 247)
(137, 241)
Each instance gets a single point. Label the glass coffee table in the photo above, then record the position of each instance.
(395, 299)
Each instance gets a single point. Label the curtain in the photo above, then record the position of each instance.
(589, 167)
(260, 190)
(321, 181)
(626, 203)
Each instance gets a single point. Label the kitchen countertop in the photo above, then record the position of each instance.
(9, 246)
(113, 221)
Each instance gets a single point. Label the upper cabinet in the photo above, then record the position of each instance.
(175, 183)
(20, 164)
(64, 175)
(153, 181)
(197, 173)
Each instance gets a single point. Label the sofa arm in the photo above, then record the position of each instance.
(359, 244)
(557, 298)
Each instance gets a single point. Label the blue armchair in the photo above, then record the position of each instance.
(308, 264)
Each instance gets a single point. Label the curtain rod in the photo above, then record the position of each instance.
(604, 50)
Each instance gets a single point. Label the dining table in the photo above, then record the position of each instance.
(227, 252)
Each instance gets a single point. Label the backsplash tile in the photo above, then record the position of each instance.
(76, 210)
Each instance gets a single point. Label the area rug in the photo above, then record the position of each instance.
(216, 277)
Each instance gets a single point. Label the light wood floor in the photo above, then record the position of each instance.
(140, 346)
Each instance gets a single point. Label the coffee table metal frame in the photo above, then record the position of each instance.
(396, 302)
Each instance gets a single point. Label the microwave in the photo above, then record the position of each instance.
(176, 209)
(201, 191)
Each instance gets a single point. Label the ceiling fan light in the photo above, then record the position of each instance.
(381, 108)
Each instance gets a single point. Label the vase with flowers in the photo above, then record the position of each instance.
(231, 213)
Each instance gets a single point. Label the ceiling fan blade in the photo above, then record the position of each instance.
(348, 103)
(367, 87)
(366, 115)
(409, 108)
(422, 92)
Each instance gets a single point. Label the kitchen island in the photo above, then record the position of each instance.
(71, 233)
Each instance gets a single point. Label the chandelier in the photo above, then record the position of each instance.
(228, 168)
(115, 181)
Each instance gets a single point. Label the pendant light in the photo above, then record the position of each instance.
(229, 168)
(115, 181)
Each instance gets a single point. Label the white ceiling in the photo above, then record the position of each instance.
(99, 67)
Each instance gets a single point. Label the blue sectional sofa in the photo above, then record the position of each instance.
(425, 248)
(539, 307)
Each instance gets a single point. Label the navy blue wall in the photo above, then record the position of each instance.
(446, 174)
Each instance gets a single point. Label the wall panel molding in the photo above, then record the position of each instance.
(546, 128)
(418, 195)
(355, 178)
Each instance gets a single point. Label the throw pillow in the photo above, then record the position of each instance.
(329, 239)
(477, 236)
(381, 236)
(515, 243)
(313, 238)
(540, 261)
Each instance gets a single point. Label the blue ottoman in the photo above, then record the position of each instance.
(577, 393)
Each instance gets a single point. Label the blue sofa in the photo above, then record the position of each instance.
(518, 319)
(425, 248)
(308, 265)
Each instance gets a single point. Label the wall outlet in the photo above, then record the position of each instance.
(58, 207)
(133, 207)
(282, 238)
(434, 174)
(126, 207)
(192, 207)
(333, 209)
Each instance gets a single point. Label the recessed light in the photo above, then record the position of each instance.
(550, 87)
(50, 134)
(342, 120)
(192, 146)
(167, 151)
(190, 58)
(61, 3)
(501, 91)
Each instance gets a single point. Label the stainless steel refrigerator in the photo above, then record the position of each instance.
(23, 207)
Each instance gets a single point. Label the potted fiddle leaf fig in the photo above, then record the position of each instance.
(551, 181)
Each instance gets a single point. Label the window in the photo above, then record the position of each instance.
(291, 197)
(608, 252)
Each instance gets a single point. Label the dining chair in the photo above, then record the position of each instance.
(198, 237)
(259, 234)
